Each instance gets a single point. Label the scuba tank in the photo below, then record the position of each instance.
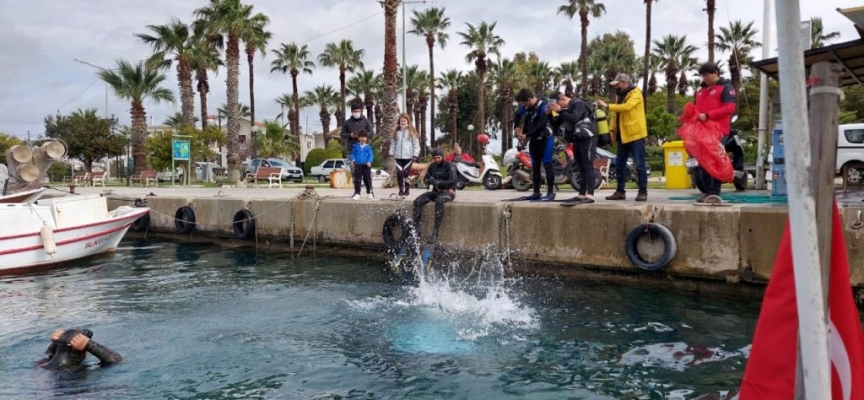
(602, 121)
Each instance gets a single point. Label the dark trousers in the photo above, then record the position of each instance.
(439, 198)
(584, 151)
(635, 149)
(403, 169)
(541, 152)
(709, 183)
(362, 171)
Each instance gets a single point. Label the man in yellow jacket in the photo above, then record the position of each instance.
(629, 128)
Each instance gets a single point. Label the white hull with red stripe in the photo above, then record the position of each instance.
(82, 226)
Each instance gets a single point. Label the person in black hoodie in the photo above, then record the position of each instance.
(534, 120)
(581, 130)
(442, 176)
(356, 123)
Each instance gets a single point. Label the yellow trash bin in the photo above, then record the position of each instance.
(675, 158)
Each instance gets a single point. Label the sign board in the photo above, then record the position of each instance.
(676, 158)
(180, 149)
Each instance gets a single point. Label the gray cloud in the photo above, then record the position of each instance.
(39, 41)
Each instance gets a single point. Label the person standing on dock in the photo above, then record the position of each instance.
(534, 120)
(355, 123)
(405, 149)
(361, 165)
(581, 130)
(716, 101)
(632, 130)
(442, 176)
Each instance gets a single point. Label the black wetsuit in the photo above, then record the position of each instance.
(443, 177)
(540, 144)
(61, 356)
(580, 129)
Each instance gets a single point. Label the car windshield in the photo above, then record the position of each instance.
(278, 163)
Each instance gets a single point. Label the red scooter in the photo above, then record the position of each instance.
(518, 163)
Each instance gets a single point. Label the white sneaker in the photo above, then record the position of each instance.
(371, 196)
(355, 197)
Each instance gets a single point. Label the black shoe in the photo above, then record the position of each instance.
(547, 197)
(535, 196)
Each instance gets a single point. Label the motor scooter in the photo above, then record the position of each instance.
(488, 173)
(518, 163)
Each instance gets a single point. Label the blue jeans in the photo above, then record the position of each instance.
(636, 150)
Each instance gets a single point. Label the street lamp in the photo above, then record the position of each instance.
(404, 65)
(106, 83)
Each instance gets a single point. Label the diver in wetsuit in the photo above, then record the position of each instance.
(443, 177)
(69, 348)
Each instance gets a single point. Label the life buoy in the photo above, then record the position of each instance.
(244, 224)
(670, 246)
(390, 241)
(184, 219)
(140, 224)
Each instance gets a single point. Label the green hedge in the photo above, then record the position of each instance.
(317, 156)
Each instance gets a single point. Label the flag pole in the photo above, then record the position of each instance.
(763, 97)
(812, 329)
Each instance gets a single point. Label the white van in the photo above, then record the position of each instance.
(850, 150)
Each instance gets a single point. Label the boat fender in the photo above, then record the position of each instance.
(184, 219)
(670, 246)
(244, 224)
(390, 241)
(47, 234)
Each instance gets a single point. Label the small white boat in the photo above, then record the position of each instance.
(37, 232)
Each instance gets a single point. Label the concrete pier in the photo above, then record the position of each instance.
(732, 244)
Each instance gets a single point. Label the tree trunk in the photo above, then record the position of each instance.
(710, 9)
(341, 112)
(203, 89)
(652, 85)
(430, 42)
(139, 132)
(646, 64)
(250, 59)
(232, 56)
(454, 113)
(683, 85)
(671, 83)
(295, 123)
(409, 103)
(422, 119)
(370, 107)
(735, 71)
(187, 96)
(583, 56)
(378, 118)
(391, 7)
(568, 88)
(324, 114)
(481, 98)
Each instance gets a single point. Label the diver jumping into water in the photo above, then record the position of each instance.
(69, 348)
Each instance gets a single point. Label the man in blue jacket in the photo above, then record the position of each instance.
(361, 165)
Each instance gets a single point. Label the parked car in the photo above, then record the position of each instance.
(322, 172)
(289, 171)
(631, 175)
(850, 151)
(167, 176)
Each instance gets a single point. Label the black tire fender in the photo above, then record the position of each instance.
(184, 219)
(670, 246)
(390, 224)
(140, 224)
(244, 224)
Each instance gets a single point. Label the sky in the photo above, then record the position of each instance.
(40, 40)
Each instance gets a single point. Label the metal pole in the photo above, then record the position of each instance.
(763, 98)
(404, 67)
(813, 362)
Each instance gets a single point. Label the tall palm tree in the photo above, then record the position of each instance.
(413, 75)
(232, 19)
(505, 75)
(137, 83)
(450, 81)
(739, 39)
(431, 24)
(613, 58)
(539, 74)
(391, 69)
(292, 59)
(583, 8)
(711, 9)
(646, 59)
(568, 72)
(482, 41)
(255, 37)
(176, 120)
(275, 141)
(818, 37)
(323, 96)
(655, 66)
(417, 81)
(673, 52)
(172, 42)
(242, 110)
(364, 84)
(204, 56)
(343, 56)
(293, 105)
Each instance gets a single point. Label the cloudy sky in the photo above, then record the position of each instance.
(40, 40)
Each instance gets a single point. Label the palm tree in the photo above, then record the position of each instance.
(614, 57)
(172, 42)
(292, 59)
(583, 8)
(431, 24)
(568, 71)
(232, 19)
(417, 80)
(450, 81)
(739, 39)
(203, 57)
(323, 96)
(276, 142)
(505, 75)
(646, 59)
(818, 37)
(176, 121)
(364, 84)
(711, 10)
(391, 69)
(654, 65)
(673, 52)
(293, 105)
(137, 83)
(482, 41)
(539, 74)
(242, 110)
(256, 38)
(413, 81)
(344, 57)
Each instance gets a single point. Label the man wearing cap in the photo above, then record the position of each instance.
(355, 123)
(628, 122)
(580, 129)
(442, 176)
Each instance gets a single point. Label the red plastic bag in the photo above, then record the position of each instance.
(702, 141)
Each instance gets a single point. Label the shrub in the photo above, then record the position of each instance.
(57, 171)
(314, 158)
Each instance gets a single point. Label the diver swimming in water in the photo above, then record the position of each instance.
(69, 348)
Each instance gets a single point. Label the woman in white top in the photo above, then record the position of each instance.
(405, 148)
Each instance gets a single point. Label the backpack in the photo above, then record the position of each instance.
(584, 129)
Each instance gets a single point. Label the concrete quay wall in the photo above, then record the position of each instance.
(732, 244)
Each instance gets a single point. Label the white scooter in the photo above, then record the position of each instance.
(491, 179)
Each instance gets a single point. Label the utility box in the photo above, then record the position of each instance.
(675, 160)
(778, 163)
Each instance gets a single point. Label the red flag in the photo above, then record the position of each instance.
(770, 372)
